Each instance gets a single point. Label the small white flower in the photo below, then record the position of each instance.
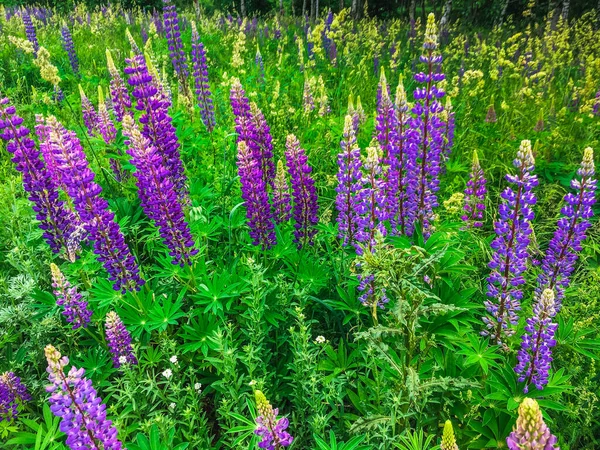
(122, 360)
(173, 359)
(198, 386)
(320, 340)
(172, 405)
(252, 383)
(167, 373)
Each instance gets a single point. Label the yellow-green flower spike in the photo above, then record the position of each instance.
(448, 439)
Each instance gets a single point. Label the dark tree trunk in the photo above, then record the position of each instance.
(412, 10)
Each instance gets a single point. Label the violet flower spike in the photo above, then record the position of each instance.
(56, 220)
(13, 394)
(200, 72)
(349, 176)
(256, 200)
(531, 432)
(158, 195)
(90, 116)
(75, 401)
(304, 194)
(475, 195)
(401, 159)
(30, 31)
(121, 100)
(106, 127)
(281, 196)
(265, 144)
(176, 52)
(69, 46)
(118, 340)
(269, 428)
(509, 260)
(98, 220)
(75, 308)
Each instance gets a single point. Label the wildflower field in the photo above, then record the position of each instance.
(326, 232)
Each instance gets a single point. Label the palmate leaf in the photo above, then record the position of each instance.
(197, 333)
(478, 352)
(333, 444)
(165, 312)
(215, 289)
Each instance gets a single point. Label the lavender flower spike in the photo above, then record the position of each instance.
(75, 309)
(158, 195)
(177, 53)
(304, 193)
(509, 260)
(90, 117)
(281, 196)
(203, 94)
(475, 195)
(30, 31)
(119, 341)
(349, 186)
(12, 394)
(76, 402)
(121, 100)
(69, 47)
(271, 430)
(256, 200)
(98, 220)
(106, 127)
(530, 432)
(559, 263)
(56, 220)
(535, 354)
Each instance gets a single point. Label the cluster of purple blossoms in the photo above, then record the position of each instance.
(76, 402)
(426, 136)
(531, 432)
(258, 60)
(75, 308)
(30, 31)
(265, 144)
(281, 196)
(399, 161)
(119, 341)
(349, 176)
(158, 196)
(203, 94)
(67, 40)
(269, 428)
(12, 394)
(509, 260)
(475, 195)
(157, 124)
(90, 116)
(306, 208)
(121, 101)
(177, 53)
(98, 220)
(256, 199)
(56, 220)
(106, 127)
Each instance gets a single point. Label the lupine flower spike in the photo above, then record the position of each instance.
(281, 196)
(269, 428)
(119, 341)
(509, 260)
(475, 195)
(448, 439)
(400, 162)
(13, 393)
(69, 47)
(531, 432)
(305, 209)
(75, 308)
(121, 100)
(203, 94)
(56, 220)
(76, 402)
(106, 127)
(30, 31)
(90, 116)
(177, 53)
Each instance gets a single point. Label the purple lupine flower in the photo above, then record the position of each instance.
(559, 262)
(509, 260)
(426, 137)
(90, 116)
(118, 340)
(121, 100)
(176, 51)
(67, 40)
(399, 163)
(258, 60)
(203, 94)
(306, 208)
(475, 195)
(531, 432)
(30, 31)
(12, 394)
(265, 144)
(347, 200)
(269, 428)
(76, 402)
(371, 199)
(56, 220)
(98, 220)
(158, 196)
(535, 354)
(157, 124)
(281, 196)
(256, 200)
(75, 308)
(106, 127)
